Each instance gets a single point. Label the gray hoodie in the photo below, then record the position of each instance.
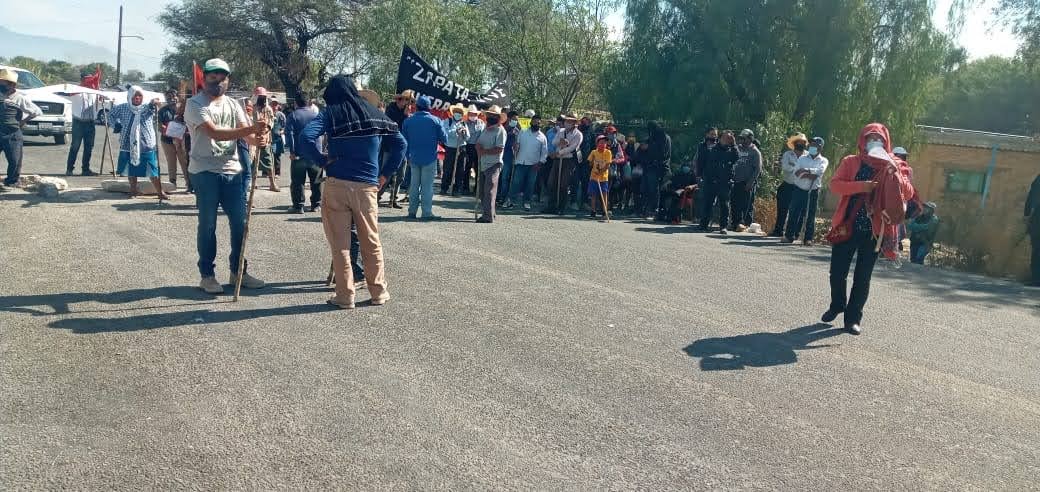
(749, 164)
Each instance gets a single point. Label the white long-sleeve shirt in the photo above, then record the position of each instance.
(20, 101)
(84, 106)
(573, 139)
(788, 163)
(534, 148)
(816, 165)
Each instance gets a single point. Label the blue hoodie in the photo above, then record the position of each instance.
(352, 159)
(423, 131)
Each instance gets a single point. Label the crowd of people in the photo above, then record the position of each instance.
(356, 149)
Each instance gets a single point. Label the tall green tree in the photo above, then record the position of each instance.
(992, 94)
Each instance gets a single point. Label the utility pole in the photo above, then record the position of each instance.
(119, 47)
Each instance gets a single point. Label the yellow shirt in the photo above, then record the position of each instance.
(600, 160)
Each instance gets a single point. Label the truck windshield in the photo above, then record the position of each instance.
(27, 80)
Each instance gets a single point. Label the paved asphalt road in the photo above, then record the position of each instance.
(535, 353)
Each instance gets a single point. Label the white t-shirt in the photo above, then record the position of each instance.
(208, 155)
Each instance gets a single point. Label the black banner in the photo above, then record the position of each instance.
(413, 73)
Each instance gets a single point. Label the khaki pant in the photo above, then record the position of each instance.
(344, 203)
(174, 154)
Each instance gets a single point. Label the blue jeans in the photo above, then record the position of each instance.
(227, 191)
(802, 211)
(421, 184)
(919, 251)
(523, 182)
(11, 147)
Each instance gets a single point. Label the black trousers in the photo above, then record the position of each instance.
(300, 171)
(740, 199)
(784, 193)
(861, 245)
(82, 134)
(559, 177)
(11, 147)
(802, 212)
(712, 192)
(469, 164)
(452, 170)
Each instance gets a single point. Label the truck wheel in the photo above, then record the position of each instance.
(59, 139)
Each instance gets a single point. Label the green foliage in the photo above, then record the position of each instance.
(993, 94)
(824, 66)
(59, 71)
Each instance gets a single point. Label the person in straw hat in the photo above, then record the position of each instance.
(456, 148)
(796, 145)
(565, 159)
(474, 126)
(490, 147)
(15, 110)
(400, 110)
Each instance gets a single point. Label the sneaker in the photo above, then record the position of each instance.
(333, 302)
(787, 240)
(808, 243)
(211, 286)
(411, 217)
(395, 205)
(740, 228)
(315, 208)
(722, 230)
(88, 172)
(431, 218)
(380, 302)
(507, 205)
(527, 207)
(296, 210)
(360, 283)
(248, 281)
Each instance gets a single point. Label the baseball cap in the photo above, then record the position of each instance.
(747, 133)
(900, 151)
(216, 65)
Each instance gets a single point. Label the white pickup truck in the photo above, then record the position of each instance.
(56, 120)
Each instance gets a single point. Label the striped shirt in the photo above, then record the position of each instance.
(124, 118)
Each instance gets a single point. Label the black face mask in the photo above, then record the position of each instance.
(492, 121)
(216, 89)
(799, 147)
(710, 140)
(535, 128)
(6, 89)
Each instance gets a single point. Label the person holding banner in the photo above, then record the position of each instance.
(355, 131)
(457, 134)
(567, 143)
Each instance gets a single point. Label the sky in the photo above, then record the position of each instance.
(96, 21)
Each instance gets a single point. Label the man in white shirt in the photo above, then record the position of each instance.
(531, 152)
(796, 145)
(84, 114)
(216, 123)
(565, 159)
(808, 176)
(15, 110)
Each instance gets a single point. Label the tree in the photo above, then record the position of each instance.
(249, 71)
(131, 76)
(993, 94)
(278, 33)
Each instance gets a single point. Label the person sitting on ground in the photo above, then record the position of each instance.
(681, 192)
(599, 176)
(923, 229)
(137, 141)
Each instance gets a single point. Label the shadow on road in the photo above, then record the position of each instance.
(68, 196)
(62, 303)
(758, 349)
(154, 321)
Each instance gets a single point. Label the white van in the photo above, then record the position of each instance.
(56, 120)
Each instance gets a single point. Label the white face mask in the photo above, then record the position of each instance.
(874, 144)
(473, 119)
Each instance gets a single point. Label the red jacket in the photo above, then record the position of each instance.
(887, 203)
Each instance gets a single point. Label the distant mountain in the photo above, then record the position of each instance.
(46, 48)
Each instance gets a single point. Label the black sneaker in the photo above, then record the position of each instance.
(88, 172)
(315, 208)
(296, 210)
(830, 315)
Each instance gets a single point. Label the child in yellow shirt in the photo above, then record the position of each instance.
(599, 178)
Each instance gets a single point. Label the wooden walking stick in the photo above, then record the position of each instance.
(255, 156)
(559, 172)
(603, 197)
(476, 190)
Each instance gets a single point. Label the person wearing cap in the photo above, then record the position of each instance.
(901, 153)
(745, 178)
(137, 140)
(474, 126)
(398, 112)
(513, 128)
(796, 145)
(532, 152)
(173, 148)
(455, 146)
(923, 229)
(84, 118)
(598, 186)
(262, 113)
(15, 110)
(567, 142)
(616, 144)
(216, 122)
(300, 169)
(808, 174)
(1032, 214)
(656, 167)
(423, 132)
(491, 145)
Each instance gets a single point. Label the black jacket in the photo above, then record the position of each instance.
(701, 159)
(719, 166)
(1033, 206)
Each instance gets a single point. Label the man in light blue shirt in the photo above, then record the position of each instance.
(423, 131)
(455, 151)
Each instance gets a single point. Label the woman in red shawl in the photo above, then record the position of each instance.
(874, 186)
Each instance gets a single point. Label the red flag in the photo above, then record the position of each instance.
(199, 78)
(92, 81)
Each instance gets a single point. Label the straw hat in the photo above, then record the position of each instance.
(370, 95)
(569, 117)
(797, 137)
(408, 95)
(472, 109)
(456, 108)
(9, 75)
(494, 109)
